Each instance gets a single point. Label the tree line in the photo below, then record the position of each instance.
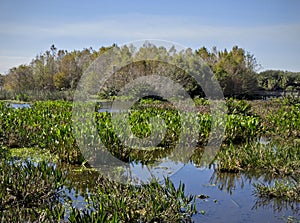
(278, 80)
(58, 71)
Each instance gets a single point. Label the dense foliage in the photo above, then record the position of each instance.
(30, 192)
(44, 125)
(279, 80)
(55, 73)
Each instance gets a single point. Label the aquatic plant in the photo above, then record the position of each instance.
(268, 158)
(115, 202)
(28, 191)
(284, 125)
(48, 125)
(284, 189)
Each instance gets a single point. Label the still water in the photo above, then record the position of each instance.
(19, 105)
(224, 197)
(230, 197)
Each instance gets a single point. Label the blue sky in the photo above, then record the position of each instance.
(269, 29)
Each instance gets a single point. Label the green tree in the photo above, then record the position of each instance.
(235, 70)
(69, 73)
(275, 80)
(19, 79)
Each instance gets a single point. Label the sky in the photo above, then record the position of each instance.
(268, 29)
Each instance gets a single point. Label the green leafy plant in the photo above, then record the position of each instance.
(28, 191)
(287, 190)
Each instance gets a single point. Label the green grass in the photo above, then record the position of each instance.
(270, 158)
(287, 190)
(29, 191)
(48, 125)
(114, 202)
(284, 125)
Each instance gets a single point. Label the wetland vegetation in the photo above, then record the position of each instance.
(39, 189)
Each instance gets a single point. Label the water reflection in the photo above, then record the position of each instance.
(107, 106)
(277, 205)
(229, 182)
(233, 191)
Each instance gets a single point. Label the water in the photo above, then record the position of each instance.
(231, 197)
(18, 105)
(108, 110)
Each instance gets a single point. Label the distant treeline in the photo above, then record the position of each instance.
(277, 80)
(55, 73)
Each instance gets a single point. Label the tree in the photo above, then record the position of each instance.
(235, 70)
(19, 79)
(2, 80)
(69, 73)
(275, 80)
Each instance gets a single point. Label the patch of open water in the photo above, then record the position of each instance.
(20, 105)
(231, 197)
(227, 197)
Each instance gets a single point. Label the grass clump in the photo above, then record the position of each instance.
(33, 154)
(284, 125)
(115, 202)
(270, 158)
(287, 190)
(28, 191)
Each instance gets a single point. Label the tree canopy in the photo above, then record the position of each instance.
(235, 69)
(279, 80)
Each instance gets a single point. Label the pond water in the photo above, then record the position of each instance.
(110, 110)
(107, 107)
(231, 197)
(223, 197)
(20, 105)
